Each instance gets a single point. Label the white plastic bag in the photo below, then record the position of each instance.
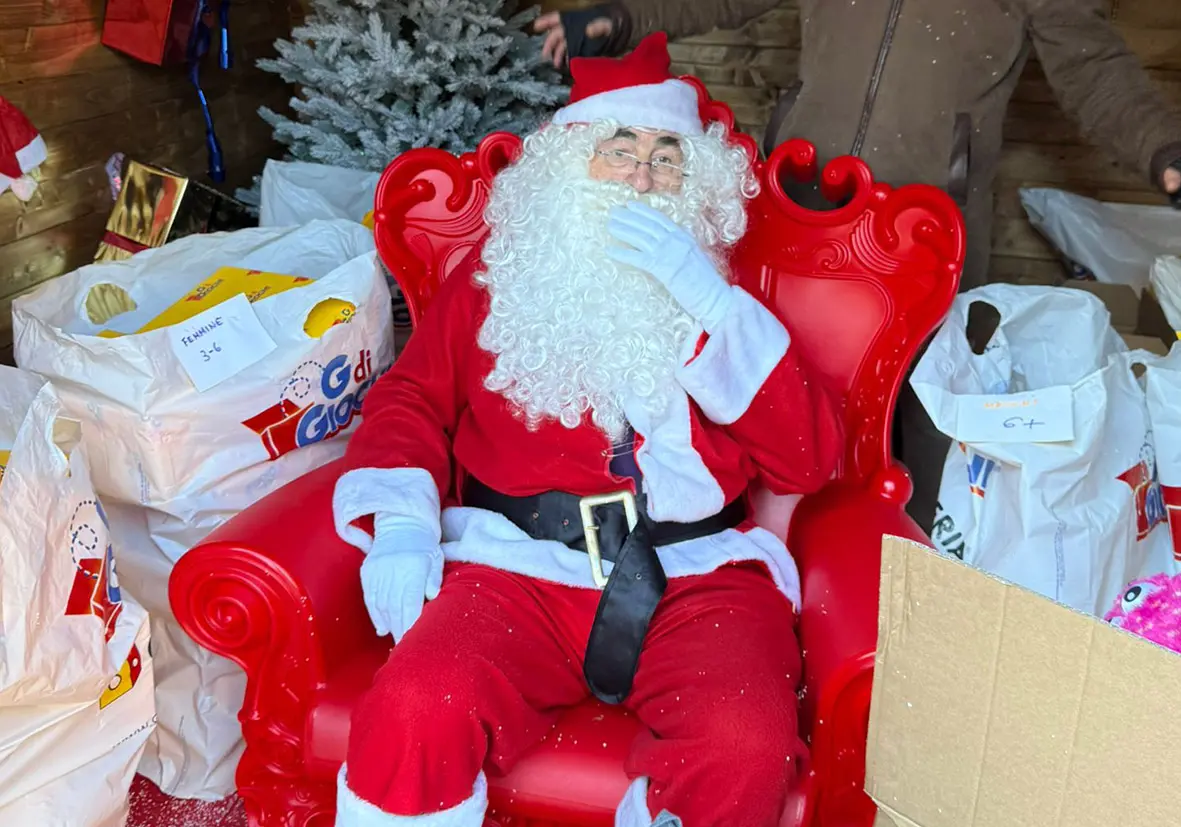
(1162, 384)
(76, 705)
(295, 192)
(1051, 480)
(183, 461)
(1166, 284)
(1116, 243)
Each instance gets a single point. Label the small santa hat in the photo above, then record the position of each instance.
(22, 150)
(636, 90)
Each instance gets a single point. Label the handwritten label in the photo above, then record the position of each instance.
(220, 342)
(1045, 415)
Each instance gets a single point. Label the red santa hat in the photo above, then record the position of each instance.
(636, 90)
(22, 150)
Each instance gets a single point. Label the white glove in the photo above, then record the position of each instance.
(403, 569)
(658, 246)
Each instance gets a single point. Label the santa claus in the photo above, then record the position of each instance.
(608, 395)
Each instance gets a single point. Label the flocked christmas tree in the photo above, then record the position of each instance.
(378, 77)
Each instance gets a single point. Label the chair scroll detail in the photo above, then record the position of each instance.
(241, 607)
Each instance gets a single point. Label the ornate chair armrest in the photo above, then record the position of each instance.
(836, 537)
(277, 579)
(277, 591)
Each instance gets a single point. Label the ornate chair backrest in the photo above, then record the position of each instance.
(860, 287)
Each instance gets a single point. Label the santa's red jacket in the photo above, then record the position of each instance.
(750, 410)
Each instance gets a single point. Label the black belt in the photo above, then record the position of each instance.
(613, 527)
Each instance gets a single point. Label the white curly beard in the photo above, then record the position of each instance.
(573, 331)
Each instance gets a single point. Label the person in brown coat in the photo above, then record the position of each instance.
(919, 89)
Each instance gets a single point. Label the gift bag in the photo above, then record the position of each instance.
(155, 206)
(154, 31)
(76, 704)
(1051, 481)
(189, 424)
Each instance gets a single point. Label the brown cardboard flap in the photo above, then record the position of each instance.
(1131, 314)
(1152, 344)
(1121, 301)
(994, 707)
(1151, 320)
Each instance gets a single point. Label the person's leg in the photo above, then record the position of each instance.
(475, 682)
(717, 685)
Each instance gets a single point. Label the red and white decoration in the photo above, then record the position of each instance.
(22, 150)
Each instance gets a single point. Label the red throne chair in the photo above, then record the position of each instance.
(860, 288)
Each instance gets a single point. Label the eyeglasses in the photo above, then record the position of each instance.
(662, 169)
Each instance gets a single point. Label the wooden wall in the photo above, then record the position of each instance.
(747, 67)
(90, 102)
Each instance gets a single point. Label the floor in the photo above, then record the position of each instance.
(151, 808)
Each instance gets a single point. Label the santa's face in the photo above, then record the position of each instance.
(577, 335)
(645, 160)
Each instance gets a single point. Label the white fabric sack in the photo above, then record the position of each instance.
(183, 461)
(76, 705)
(1073, 518)
(296, 192)
(1162, 382)
(1115, 243)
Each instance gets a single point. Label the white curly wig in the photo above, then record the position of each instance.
(572, 330)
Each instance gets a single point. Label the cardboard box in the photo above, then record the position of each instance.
(1138, 319)
(1121, 301)
(1152, 344)
(227, 282)
(994, 707)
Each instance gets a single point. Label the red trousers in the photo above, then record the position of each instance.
(486, 671)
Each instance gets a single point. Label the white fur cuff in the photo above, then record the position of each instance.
(671, 105)
(736, 360)
(32, 155)
(633, 809)
(406, 492)
(352, 811)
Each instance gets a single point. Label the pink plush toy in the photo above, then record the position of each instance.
(1151, 608)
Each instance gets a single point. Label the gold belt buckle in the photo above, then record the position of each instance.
(590, 530)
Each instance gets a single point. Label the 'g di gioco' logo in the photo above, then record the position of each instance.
(318, 402)
(1146, 492)
(124, 680)
(95, 590)
(203, 290)
(980, 469)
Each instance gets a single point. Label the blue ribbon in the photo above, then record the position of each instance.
(199, 44)
(226, 57)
